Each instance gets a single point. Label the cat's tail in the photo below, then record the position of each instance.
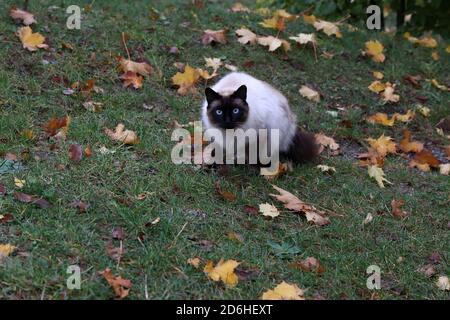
(303, 147)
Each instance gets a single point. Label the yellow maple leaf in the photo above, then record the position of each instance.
(378, 75)
(246, 36)
(31, 41)
(377, 86)
(309, 93)
(284, 291)
(19, 183)
(121, 135)
(408, 116)
(378, 174)
(274, 43)
(383, 145)
(381, 118)
(425, 111)
(329, 28)
(375, 50)
(186, 80)
(6, 250)
(223, 271)
(268, 210)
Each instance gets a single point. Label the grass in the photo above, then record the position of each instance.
(195, 221)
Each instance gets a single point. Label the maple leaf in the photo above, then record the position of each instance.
(310, 264)
(423, 160)
(31, 41)
(291, 202)
(304, 38)
(205, 74)
(246, 36)
(274, 43)
(6, 250)
(377, 86)
(142, 68)
(406, 145)
(309, 19)
(378, 174)
(423, 110)
(132, 79)
(120, 286)
(186, 80)
(378, 75)
(381, 118)
(56, 124)
(329, 28)
(383, 145)
(426, 41)
(223, 271)
(19, 183)
(325, 141)
(195, 262)
(375, 50)
(121, 135)
(309, 93)
(26, 17)
(388, 93)
(214, 36)
(268, 210)
(284, 291)
(396, 210)
(214, 63)
(407, 117)
(239, 7)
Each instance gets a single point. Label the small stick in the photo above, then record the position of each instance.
(125, 45)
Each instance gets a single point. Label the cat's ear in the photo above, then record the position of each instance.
(241, 92)
(211, 95)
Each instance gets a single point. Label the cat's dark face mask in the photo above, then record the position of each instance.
(227, 112)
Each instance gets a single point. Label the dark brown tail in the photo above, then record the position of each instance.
(303, 147)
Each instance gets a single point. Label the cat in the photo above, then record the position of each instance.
(240, 101)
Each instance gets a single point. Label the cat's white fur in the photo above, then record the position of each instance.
(268, 108)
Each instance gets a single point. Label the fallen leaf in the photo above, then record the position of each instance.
(325, 141)
(19, 183)
(223, 271)
(31, 41)
(246, 36)
(56, 124)
(368, 218)
(310, 264)
(75, 153)
(381, 118)
(195, 262)
(142, 68)
(239, 7)
(283, 168)
(396, 210)
(443, 283)
(214, 63)
(231, 67)
(304, 38)
(214, 36)
(378, 174)
(268, 210)
(274, 43)
(120, 286)
(427, 158)
(378, 75)
(406, 145)
(423, 110)
(26, 17)
(389, 95)
(407, 117)
(186, 80)
(444, 169)
(235, 237)
(325, 168)
(383, 145)
(377, 86)
(79, 205)
(132, 79)
(428, 270)
(122, 136)
(5, 218)
(436, 84)
(309, 93)
(225, 194)
(329, 28)
(413, 80)
(284, 291)
(435, 56)
(293, 203)
(6, 250)
(375, 50)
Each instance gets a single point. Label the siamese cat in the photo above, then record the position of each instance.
(240, 101)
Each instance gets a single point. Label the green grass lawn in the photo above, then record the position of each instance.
(195, 220)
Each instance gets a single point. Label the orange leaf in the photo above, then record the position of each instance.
(406, 145)
(120, 286)
(132, 79)
(55, 124)
(426, 157)
(396, 210)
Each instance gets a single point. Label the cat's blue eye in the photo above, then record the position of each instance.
(219, 112)
(236, 110)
